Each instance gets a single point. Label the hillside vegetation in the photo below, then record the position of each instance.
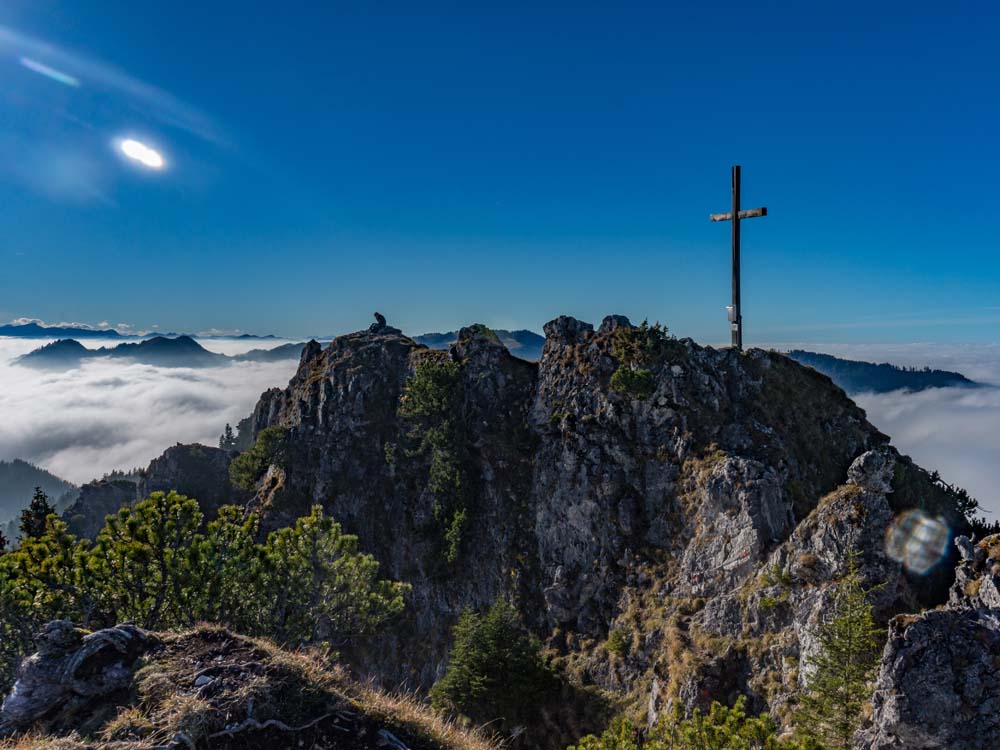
(867, 377)
(18, 480)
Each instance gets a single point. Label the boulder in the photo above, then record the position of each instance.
(937, 685)
(69, 681)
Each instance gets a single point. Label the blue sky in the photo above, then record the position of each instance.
(508, 163)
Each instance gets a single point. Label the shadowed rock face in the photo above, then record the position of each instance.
(938, 681)
(938, 686)
(713, 514)
(98, 499)
(197, 471)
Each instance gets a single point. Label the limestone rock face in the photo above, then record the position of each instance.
(97, 500)
(71, 676)
(196, 471)
(707, 519)
(937, 686)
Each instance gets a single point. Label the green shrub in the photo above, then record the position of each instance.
(431, 401)
(839, 686)
(618, 642)
(495, 669)
(768, 602)
(638, 348)
(248, 467)
(640, 345)
(721, 728)
(639, 383)
(158, 565)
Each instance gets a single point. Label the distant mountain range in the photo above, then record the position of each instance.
(182, 351)
(523, 343)
(867, 377)
(36, 331)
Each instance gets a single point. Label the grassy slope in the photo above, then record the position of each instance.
(257, 696)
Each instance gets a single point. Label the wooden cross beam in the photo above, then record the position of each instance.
(735, 313)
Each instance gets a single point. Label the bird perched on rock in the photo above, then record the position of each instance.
(380, 319)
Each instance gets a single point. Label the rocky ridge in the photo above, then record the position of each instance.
(937, 685)
(706, 520)
(194, 470)
(674, 545)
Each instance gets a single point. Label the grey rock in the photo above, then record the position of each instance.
(722, 506)
(71, 674)
(873, 471)
(937, 685)
(566, 330)
(98, 499)
(613, 322)
(966, 549)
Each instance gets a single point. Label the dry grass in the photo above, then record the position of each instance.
(130, 724)
(288, 698)
(992, 546)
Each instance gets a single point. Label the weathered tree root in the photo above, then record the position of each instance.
(269, 724)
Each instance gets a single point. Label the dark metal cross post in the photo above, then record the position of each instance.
(735, 216)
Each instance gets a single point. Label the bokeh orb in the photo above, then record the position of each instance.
(917, 541)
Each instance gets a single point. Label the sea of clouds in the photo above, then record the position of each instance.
(109, 414)
(112, 414)
(953, 430)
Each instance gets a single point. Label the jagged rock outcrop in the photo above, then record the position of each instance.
(706, 519)
(196, 471)
(938, 683)
(701, 520)
(97, 500)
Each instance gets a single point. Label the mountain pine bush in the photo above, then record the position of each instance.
(160, 566)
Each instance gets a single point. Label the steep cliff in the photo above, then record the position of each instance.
(699, 517)
(937, 685)
(194, 470)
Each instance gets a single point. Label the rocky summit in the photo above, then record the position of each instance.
(669, 519)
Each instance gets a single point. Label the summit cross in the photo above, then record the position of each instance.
(736, 216)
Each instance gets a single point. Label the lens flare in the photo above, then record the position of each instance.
(140, 152)
(51, 73)
(917, 541)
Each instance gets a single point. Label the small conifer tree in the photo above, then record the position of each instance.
(849, 647)
(495, 669)
(33, 517)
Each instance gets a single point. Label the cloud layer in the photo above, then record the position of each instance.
(113, 415)
(953, 430)
(109, 414)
